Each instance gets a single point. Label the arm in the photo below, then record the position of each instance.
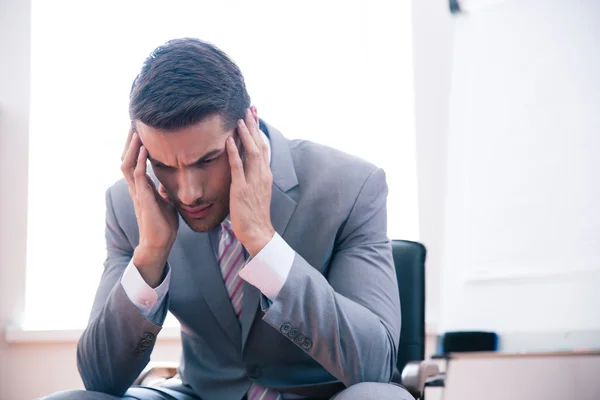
(350, 321)
(118, 340)
(146, 299)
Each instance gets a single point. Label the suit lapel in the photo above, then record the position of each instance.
(203, 268)
(282, 209)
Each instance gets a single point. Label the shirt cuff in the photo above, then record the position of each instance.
(147, 300)
(269, 269)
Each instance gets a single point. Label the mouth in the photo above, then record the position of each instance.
(197, 212)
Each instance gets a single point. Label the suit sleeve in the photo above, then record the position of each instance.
(349, 322)
(116, 345)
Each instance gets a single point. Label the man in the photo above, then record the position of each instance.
(272, 254)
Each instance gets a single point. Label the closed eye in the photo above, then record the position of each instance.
(207, 161)
(161, 166)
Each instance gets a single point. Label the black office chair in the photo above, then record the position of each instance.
(409, 259)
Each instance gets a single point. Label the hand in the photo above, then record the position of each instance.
(156, 216)
(250, 194)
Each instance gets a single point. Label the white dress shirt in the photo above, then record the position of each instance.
(267, 271)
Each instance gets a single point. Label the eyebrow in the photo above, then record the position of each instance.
(207, 156)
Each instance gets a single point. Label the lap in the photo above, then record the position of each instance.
(360, 391)
(79, 394)
(169, 392)
(374, 391)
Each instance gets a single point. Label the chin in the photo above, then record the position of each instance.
(205, 224)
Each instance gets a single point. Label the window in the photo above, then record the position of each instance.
(335, 72)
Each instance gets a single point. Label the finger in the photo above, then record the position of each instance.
(127, 142)
(130, 160)
(163, 192)
(251, 124)
(252, 150)
(151, 182)
(257, 135)
(235, 162)
(143, 187)
(160, 192)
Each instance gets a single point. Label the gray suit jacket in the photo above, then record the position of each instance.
(335, 322)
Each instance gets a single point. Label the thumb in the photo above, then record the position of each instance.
(235, 162)
(162, 192)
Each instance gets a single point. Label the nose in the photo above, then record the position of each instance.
(189, 187)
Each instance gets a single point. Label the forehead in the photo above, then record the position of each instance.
(186, 144)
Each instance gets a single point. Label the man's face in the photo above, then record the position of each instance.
(192, 166)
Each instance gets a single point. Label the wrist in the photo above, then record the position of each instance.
(258, 242)
(150, 262)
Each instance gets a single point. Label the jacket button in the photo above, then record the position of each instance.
(299, 339)
(307, 344)
(138, 352)
(293, 333)
(145, 343)
(148, 336)
(285, 328)
(254, 371)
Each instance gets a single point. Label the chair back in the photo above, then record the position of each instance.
(409, 259)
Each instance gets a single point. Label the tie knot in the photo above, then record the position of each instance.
(226, 225)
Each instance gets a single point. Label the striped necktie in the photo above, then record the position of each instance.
(231, 261)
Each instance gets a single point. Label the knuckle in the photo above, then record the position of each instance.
(138, 173)
(238, 191)
(237, 163)
(253, 152)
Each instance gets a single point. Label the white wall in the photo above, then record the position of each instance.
(14, 106)
(433, 32)
(27, 370)
(379, 32)
(523, 181)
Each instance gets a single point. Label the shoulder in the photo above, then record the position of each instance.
(333, 186)
(119, 203)
(320, 165)
(118, 193)
(336, 195)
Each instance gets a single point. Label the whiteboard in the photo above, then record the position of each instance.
(522, 228)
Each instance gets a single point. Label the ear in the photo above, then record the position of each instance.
(254, 114)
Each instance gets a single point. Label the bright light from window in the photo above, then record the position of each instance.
(335, 72)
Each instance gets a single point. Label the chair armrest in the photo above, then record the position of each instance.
(156, 373)
(416, 373)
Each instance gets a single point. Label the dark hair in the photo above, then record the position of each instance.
(184, 81)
